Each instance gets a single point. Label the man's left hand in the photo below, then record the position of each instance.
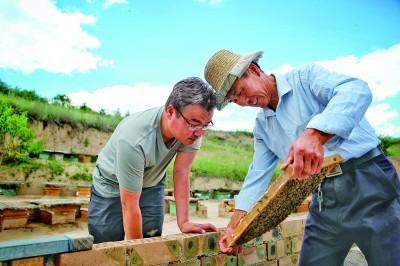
(189, 227)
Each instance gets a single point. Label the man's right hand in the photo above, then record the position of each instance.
(235, 220)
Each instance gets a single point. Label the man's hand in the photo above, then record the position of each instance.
(189, 227)
(236, 217)
(307, 154)
(222, 243)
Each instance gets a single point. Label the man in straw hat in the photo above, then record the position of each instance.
(305, 115)
(127, 199)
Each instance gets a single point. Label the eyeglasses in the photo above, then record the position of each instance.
(195, 127)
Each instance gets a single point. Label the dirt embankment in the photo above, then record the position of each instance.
(68, 139)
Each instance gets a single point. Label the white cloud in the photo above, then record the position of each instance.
(123, 97)
(380, 69)
(37, 35)
(109, 3)
(381, 115)
(211, 2)
(234, 117)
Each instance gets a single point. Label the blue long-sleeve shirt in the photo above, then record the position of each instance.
(309, 97)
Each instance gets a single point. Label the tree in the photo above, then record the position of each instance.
(62, 99)
(17, 140)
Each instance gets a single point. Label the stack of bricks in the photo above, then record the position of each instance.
(280, 246)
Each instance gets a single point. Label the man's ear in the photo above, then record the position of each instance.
(253, 69)
(170, 111)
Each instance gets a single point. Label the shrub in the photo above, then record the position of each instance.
(17, 140)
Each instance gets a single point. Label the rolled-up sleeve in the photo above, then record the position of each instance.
(346, 99)
(258, 176)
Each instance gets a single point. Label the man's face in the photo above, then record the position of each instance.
(190, 123)
(250, 90)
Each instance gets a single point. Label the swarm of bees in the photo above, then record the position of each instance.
(272, 211)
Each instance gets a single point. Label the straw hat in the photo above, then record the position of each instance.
(222, 70)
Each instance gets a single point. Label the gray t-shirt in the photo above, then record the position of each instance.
(136, 156)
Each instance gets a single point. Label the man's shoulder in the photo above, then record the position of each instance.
(138, 126)
(305, 68)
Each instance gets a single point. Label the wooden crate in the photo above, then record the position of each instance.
(13, 218)
(83, 191)
(52, 191)
(55, 216)
(84, 214)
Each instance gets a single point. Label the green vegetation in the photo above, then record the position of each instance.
(226, 155)
(44, 111)
(82, 176)
(17, 140)
(391, 146)
(58, 110)
(55, 167)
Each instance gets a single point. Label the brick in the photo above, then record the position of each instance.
(297, 241)
(271, 250)
(252, 255)
(155, 250)
(36, 261)
(283, 247)
(267, 263)
(194, 245)
(293, 225)
(254, 242)
(266, 237)
(110, 253)
(219, 260)
(292, 260)
(276, 233)
(192, 262)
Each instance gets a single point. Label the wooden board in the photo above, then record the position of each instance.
(281, 199)
(10, 250)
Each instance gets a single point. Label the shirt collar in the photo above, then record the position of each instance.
(283, 88)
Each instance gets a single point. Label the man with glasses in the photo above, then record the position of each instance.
(127, 199)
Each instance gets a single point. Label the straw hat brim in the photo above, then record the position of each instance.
(236, 72)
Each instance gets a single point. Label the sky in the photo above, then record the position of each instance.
(126, 55)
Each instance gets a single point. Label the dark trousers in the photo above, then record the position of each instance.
(360, 206)
(105, 222)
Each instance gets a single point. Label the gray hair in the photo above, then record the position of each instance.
(192, 91)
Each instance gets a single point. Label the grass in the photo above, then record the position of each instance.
(394, 150)
(44, 111)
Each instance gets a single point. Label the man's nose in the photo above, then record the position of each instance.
(199, 132)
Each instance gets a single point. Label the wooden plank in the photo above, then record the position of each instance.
(278, 202)
(10, 250)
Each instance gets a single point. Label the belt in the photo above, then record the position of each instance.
(355, 162)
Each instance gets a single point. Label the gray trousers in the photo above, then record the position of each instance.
(360, 206)
(105, 221)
